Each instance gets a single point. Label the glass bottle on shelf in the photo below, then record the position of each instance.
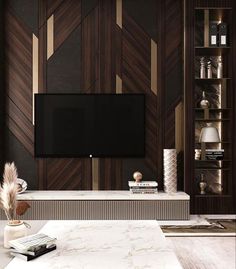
(219, 67)
(204, 103)
(209, 69)
(202, 68)
(202, 185)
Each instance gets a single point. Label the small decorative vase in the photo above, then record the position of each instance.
(219, 68)
(202, 68)
(13, 230)
(209, 69)
(204, 102)
(137, 176)
(202, 185)
(170, 170)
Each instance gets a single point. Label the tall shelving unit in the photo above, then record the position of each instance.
(219, 175)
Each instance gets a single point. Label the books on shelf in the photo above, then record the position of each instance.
(211, 154)
(143, 187)
(32, 246)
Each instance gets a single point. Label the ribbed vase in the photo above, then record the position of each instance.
(170, 170)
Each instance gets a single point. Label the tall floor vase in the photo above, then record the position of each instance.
(170, 170)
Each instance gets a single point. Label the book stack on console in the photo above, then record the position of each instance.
(214, 154)
(32, 246)
(143, 187)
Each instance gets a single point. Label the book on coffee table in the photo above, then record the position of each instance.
(33, 255)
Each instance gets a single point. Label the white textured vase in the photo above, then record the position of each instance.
(13, 231)
(170, 170)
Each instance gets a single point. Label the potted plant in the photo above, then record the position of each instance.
(14, 228)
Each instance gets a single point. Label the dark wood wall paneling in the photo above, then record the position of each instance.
(102, 50)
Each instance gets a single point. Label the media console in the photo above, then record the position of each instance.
(104, 205)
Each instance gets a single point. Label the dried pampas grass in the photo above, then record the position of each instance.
(8, 191)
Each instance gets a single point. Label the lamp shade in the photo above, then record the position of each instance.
(209, 134)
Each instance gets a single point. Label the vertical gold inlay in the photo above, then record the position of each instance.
(119, 13)
(35, 67)
(95, 173)
(154, 66)
(50, 36)
(179, 125)
(206, 28)
(118, 84)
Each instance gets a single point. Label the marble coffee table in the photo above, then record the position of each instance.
(104, 244)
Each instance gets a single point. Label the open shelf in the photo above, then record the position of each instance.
(207, 120)
(212, 109)
(211, 51)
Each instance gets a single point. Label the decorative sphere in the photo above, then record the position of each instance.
(137, 176)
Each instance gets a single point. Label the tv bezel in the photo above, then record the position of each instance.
(89, 155)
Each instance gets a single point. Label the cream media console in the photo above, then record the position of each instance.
(104, 205)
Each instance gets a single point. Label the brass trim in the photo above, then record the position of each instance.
(119, 13)
(95, 173)
(154, 66)
(206, 28)
(50, 36)
(179, 127)
(118, 84)
(35, 70)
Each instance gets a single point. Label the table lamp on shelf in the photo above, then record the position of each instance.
(209, 134)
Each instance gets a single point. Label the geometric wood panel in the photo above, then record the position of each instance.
(89, 52)
(68, 174)
(19, 81)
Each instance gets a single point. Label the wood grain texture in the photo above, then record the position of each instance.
(136, 77)
(19, 76)
(67, 18)
(90, 57)
(68, 174)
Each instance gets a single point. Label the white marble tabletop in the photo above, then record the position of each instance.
(99, 195)
(104, 244)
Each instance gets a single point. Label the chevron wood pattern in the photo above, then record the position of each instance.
(19, 81)
(67, 18)
(69, 174)
(108, 50)
(136, 74)
(173, 63)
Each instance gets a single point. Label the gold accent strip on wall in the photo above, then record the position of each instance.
(179, 125)
(118, 84)
(154, 66)
(50, 36)
(35, 70)
(95, 173)
(119, 13)
(206, 28)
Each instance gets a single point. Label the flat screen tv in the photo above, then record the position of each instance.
(89, 125)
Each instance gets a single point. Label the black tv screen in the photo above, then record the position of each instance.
(89, 125)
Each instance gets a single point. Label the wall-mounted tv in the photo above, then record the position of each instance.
(89, 125)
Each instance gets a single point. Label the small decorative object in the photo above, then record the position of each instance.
(202, 185)
(13, 230)
(209, 69)
(202, 68)
(222, 34)
(219, 67)
(197, 154)
(204, 102)
(209, 134)
(8, 192)
(213, 34)
(21, 184)
(170, 170)
(137, 176)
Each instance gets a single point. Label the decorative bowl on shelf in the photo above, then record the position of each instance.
(22, 185)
